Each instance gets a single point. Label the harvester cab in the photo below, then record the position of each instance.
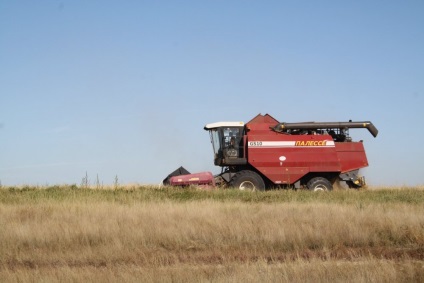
(227, 143)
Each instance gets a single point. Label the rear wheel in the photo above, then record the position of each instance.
(247, 181)
(319, 184)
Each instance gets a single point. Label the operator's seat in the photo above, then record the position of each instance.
(232, 142)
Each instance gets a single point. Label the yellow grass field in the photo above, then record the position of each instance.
(147, 234)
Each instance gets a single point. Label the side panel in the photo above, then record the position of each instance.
(284, 159)
(351, 155)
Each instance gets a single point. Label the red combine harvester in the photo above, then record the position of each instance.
(265, 153)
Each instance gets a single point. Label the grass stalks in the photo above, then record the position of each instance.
(148, 234)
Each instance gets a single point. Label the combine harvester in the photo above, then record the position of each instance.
(264, 153)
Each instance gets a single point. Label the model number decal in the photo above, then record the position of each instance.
(255, 143)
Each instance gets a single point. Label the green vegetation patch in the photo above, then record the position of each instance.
(125, 195)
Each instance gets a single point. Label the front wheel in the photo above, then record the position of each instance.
(247, 181)
(319, 184)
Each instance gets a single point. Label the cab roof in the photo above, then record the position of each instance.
(223, 124)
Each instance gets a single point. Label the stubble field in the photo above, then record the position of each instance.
(150, 234)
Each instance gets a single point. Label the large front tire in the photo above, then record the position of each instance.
(247, 181)
(319, 184)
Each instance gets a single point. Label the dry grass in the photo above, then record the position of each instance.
(364, 270)
(78, 239)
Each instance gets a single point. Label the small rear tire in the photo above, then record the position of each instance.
(247, 181)
(319, 184)
(352, 185)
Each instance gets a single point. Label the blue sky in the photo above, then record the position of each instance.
(124, 88)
